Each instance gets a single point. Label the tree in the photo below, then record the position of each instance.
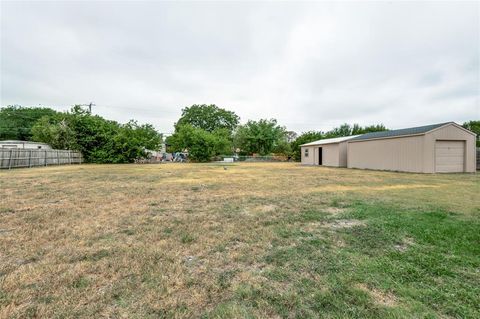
(355, 129)
(99, 140)
(200, 144)
(57, 133)
(260, 137)
(16, 122)
(208, 118)
(144, 135)
(291, 136)
(305, 137)
(473, 126)
(342, 130)
(133, 141)
(205, 131)
(283, 147)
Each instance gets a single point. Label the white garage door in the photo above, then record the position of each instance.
(449, 156)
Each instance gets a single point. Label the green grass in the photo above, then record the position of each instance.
(253, 241)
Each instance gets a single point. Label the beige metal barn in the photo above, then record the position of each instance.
(326, 152)
(438, 148)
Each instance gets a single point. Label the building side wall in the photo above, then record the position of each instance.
(449, 133)
(29, 145)
(342, 150)
(330, 156)
(404, 154)
(311, 156)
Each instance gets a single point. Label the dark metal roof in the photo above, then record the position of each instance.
(401, 132)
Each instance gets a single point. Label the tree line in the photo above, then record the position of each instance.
(208, 130)
(205, 131)
(99, 140)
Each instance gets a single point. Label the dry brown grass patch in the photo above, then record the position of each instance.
(334, 210)
(380, 297)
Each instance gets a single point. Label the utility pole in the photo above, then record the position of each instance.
(90, 107)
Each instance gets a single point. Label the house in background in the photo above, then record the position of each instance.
(438, 148)
(24, 144)
(326, 152)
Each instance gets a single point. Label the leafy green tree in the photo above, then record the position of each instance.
(100, 140)
(95, 136)
(223, 141)
(144, 135)
(200, 144)
(208, 118)
(205, 131)
(355, 129)
(260, 137)
(57, 133)
(133, 141)
(291, 136)
(342, 130)
(473, 126)
(305, 137)
(16, 122)
(283, 147)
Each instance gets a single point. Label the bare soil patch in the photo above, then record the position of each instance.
(404, 244)
(344, 223)
(335, 210)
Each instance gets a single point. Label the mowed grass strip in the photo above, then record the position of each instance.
(254, 240)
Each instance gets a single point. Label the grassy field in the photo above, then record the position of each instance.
(252, 240)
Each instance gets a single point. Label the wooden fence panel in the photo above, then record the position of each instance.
(21, 157)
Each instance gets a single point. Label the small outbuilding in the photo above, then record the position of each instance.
(326, 152)
(24, 144)
(439, 148)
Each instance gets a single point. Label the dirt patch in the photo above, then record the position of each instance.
(312, 227)
(258, 209)
(343, 223)
(334, 210)
(404, 244)
(382, 298)
(340, 243)
(267, 208)
(335, 224)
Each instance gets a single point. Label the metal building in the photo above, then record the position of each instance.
(326, 152)
(24, 144)
(439, 148)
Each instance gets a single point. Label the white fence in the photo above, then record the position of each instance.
(15, 158)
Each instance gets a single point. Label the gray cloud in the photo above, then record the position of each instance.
(310, 65)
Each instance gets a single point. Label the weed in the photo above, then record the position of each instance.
(187, 238)
(80, 282)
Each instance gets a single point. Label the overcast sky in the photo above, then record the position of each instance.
(311, 65)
